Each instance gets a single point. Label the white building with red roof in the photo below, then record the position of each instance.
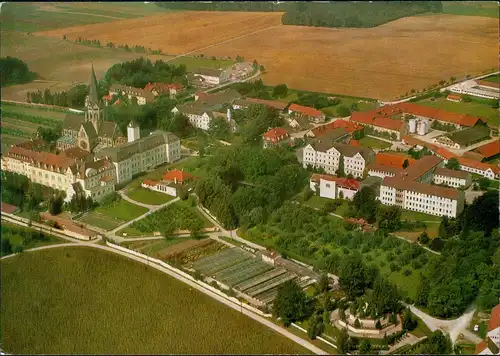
(274, 136)
(171, 182)
(333, 187)
(311, 114)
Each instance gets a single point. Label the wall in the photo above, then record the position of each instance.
(327, 189)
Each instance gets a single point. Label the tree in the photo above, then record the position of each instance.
(423, 238)
(343, 111)
(323, 283)
(406, 163)
(389, 217)
(219, 128)
(353, 275)
(409, 321)
(291, 303)
(357, 323)
(340, 172)
(365, 347)
(179, 125)
(484, 183)
(315, 327)
(365, 204)
(280, 91)
(14, 71)
(466, 98)
(385, 296)
(343, 342)
(482, 214)
(378, 325)
(182, 193)
(308, 193)
(55, 204)
(453, 164)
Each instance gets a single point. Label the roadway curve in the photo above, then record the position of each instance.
(196, 286)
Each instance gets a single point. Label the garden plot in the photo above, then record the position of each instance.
(236, 256)
(245, 273)
(260, 279)
(207, 248)
(272, 283)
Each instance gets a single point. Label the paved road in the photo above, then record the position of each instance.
(196, 286)
(454, 327)
(466, 80)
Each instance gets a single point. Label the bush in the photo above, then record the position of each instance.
(394, 267)
(407, 272)
(18, 249)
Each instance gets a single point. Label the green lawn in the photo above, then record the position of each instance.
(416, 216)
(123, 210)
(470, 135)
(146, 196)
(101, 221)
(475, 108)
(21, 109)
(82, 300)
(318, 202)
(33, 17)
(471, 8)
(492, 78)
(374, 143)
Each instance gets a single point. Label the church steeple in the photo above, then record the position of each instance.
(93, 93)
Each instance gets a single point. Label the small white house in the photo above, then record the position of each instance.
(332, 187)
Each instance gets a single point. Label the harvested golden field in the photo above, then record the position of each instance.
(174, 33)
(382, 62)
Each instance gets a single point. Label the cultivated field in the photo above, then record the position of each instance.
(31, 17)
(79, 300)
(111, 216)
(357, 62)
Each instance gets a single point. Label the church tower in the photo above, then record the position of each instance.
(94, 112)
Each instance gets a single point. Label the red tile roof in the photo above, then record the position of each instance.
(454, 97)
(413, 141)
(48, 158)
(74, 152)
(279, 105)
(162, 86)
(354, 143)
(495, 318)
(177, 175)
(490, 149)
(348, 183)
(420, 167)
(371, 118)
(488, 84)
(437, 114)
(451, 173)
(443, 152)
(481, 347)
(384, 168)
(275, 135)
(9, 209)
(306, 110)
(392, 160)
(151, 183)
(478, 165)
(349, 126)
(117, 102)
(473, 156)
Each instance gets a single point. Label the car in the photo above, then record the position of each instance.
(476, 328)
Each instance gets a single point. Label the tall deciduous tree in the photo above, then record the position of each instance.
(291, 303)
(453, 164)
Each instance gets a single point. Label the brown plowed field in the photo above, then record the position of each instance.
(174, 33)
(382, 62)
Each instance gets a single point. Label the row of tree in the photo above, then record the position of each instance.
(75, 97)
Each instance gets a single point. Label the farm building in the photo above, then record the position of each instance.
(245, 103)
(333, 187)
(452, 178)
(380, 123)
(490, 150)
(311, 114)
(481, 89)
(217, 100)
(454, 97)
(211, 76)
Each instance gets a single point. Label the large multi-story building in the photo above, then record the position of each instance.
(140, 154)
(73, 171)
(211, 76)
(412, 189)
(143, 96)
(91, 131)
(327, 156)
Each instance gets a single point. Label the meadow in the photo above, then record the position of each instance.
(80, 300)
(146, 196)
(32, 17)
(471, 8)
(338, 56)
(109, 217)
